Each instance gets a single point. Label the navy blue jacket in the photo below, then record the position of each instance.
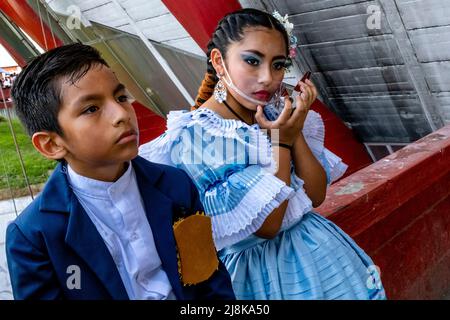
(54, 232)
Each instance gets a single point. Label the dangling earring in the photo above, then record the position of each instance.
(220, 92)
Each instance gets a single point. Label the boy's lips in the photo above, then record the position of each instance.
(127, 136)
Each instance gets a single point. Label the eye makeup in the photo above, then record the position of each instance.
(251, 58)
(279, 63)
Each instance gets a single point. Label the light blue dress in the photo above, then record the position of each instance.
(233, 168)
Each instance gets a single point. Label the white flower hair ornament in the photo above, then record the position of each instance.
(289, 27)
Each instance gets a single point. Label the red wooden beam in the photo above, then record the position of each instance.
(340, 140)
(14, 54)
(24, 16)
(200, 17)
(398, 210)
(150, 124)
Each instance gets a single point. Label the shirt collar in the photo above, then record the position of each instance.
(97, 188)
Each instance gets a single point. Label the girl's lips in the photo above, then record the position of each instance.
(262, 95)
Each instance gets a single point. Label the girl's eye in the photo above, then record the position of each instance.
(252, 61)
(279, 65)
(288, 63)
(124, 98)
(91, 109)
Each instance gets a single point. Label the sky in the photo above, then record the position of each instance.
(5, 58)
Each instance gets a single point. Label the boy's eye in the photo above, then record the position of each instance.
(90, 110)
(124, 98)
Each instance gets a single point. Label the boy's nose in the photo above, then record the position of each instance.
(120, 114)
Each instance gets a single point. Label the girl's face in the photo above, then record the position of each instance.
(256, 64)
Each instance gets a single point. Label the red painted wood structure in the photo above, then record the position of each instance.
(398, 210)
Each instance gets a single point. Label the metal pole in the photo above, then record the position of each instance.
(157, 55)
(22, 165)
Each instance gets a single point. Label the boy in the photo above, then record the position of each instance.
(102, 226)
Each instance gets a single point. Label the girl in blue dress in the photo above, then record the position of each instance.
(260, 172)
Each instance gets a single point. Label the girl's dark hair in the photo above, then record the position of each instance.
(36, 92)
(231, 29)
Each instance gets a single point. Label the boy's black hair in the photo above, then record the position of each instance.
(36, 93)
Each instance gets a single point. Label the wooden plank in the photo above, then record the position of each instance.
(304, 6)
(351, 21)
(417, 14)
(367, 81)
(431, 44)
(412, 64)
(376, 51)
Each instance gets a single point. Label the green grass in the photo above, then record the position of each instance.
(36, 166)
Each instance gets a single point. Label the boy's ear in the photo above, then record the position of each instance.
(216, 60)
(49, 144)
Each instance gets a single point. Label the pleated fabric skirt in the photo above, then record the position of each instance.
(312, 260)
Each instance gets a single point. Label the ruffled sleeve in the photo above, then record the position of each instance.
(314, 133)
(158, 150)
(240, 202)
(237, 186)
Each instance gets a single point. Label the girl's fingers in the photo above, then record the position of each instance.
(313, 87)
(299, 113)
(261, 119)
(309, 93)
(286, 112)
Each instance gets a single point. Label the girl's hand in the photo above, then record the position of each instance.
(291, 120)
(309, 92)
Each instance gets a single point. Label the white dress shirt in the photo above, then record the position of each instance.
(117, 211)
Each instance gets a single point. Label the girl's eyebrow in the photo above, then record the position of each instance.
(260, 54)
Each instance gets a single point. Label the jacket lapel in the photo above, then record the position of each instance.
(159, 209)
(82, 235)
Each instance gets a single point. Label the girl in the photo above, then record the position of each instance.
(260, 188)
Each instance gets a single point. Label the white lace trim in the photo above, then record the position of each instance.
(214, 125)
(249, 215)
(314, 132)
(299, 203)
(335, 164)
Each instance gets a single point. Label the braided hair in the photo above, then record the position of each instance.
(231, 29)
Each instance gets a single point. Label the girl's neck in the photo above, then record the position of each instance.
(223, 109)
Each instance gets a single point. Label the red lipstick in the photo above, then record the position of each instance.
(262, 95)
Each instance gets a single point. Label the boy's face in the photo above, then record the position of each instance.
(98, 122)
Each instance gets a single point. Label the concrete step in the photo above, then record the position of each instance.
(9, 209)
